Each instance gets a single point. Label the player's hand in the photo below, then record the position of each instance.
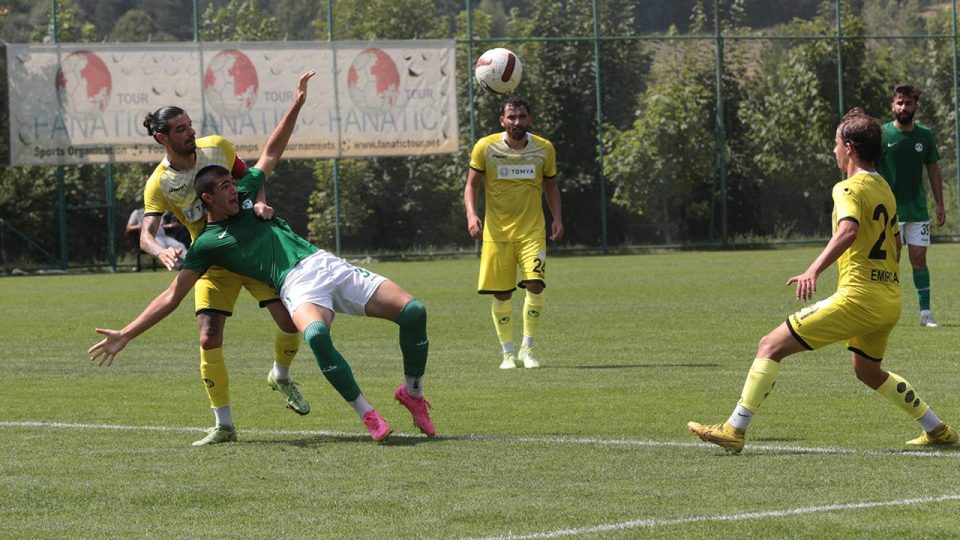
(302, 86)
(106, 350)
(556, 230)
(941, 215)
(263, 210)
(475, 227)
(170, 257)
(806, 285)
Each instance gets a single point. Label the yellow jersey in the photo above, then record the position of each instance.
(168, 189)
(868, 269)
(513, 186)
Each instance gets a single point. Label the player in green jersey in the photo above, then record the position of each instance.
(908, 149)
(313, 285)
(864, 309)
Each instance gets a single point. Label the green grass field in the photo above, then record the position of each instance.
(594, 445)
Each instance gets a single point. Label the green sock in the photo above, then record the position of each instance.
(413, 338)
(332, 364)
(921, 280)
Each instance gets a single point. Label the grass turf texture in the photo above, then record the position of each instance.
(634, 347)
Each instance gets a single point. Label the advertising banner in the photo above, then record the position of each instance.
(85, 103)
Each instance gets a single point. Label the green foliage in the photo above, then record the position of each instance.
(673, 119)
(382, 19)
(136, 25)
(71, 27)
(239, 20)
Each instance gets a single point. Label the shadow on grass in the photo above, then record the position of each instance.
(320, 440)
(635, 366)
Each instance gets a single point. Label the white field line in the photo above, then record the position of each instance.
(745, 516)
(509, 439)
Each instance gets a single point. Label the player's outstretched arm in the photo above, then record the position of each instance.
(840, 241)
(278, 140)
(115, 340)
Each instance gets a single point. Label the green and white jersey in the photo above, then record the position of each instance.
(905, 156)
(247, 245)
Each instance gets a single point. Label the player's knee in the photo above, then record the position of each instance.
(210, 340)
(211, 330)
(870, 373)
(413, 315)
(534, 287)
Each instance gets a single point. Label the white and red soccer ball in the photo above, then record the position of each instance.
(498, 71)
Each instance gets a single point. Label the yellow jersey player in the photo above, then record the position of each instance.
(864, 309)
(171, 188)
(515, 169)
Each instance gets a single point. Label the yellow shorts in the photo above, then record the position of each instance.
(218, 288)
(840, 318)
(499, 262)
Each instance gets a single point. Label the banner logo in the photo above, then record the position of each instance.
(83, 85)
(230, 83)
(373, 81)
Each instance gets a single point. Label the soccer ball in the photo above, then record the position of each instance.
(498, 71)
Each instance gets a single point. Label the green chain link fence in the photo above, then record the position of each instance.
(677, 123)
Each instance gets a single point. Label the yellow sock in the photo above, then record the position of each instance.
(215, 378)
(899, 392)
(502, 320)
(532, 309)
(285, 347)
(760, 380)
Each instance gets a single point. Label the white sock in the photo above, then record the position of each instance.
(281, 372)
(925, 312)
(361, 406)
(929, 421)
(741, 417)
(508, 347)
(414, 385)
(223, 415)
(527, 342)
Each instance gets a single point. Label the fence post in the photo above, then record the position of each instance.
(841, 100)
(477, 244)
(721, 128)
(956, 99)
(336, 161)
(111, 217)
(598, 89)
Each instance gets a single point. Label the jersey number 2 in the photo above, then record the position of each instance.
(880, 213)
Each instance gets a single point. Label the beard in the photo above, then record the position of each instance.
(517, 133)
(187, 147)
(905, 118)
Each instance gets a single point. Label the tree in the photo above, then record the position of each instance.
(137, 26)
(239, 20)
(661, 166)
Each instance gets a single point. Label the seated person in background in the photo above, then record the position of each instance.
(174, 229)
(133, 231)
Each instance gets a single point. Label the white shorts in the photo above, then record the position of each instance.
(331, 282)
(915, 233)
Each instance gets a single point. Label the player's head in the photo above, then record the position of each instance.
(515, 117)
(906, 97)
(171, 126)
(858, 136)
(217, 190)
